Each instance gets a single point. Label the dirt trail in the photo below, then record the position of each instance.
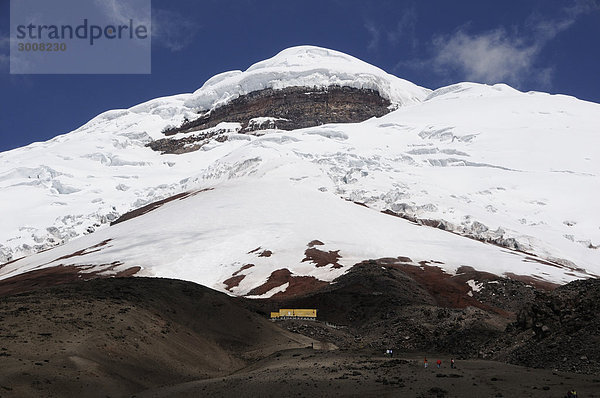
(308, 373)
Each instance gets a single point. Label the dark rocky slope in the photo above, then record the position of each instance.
(292, 108)
(121, 336)
(381, 304)
(138, 333)
(117, 336)
(557, 330)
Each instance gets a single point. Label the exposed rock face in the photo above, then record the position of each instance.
(286, 109)
(558, 329)
(189, 143)
(294, 108)
(384, 303)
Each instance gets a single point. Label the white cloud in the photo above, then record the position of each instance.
(545, 30)
(405, 29)
(170, 29)
(500, 55)
(122, 11)
(374, 36)
(402, 33)
(489, 57)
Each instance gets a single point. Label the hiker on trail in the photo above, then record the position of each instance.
(572, 394)
(439, 363)
(452, 363)
(425, 363)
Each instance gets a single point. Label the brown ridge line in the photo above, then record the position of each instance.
(536, 282)
(155, 205)
(82, 252)
(57, 275)
(244, 267)
(450, 290)
(11, 261)
(437, 224)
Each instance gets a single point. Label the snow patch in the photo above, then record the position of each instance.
(475, 286)
(305, 66)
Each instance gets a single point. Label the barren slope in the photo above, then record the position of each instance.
(118, 336)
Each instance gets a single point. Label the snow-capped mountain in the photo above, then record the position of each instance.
(265, 209)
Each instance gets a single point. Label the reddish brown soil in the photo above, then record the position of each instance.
(37, 279)
(53, 276)
(300, 285)
(234, 281)
(449, 291)
(264, 253)
(244, 267)
(539, 260)
(82, 252)
(277, 278)
(10, 262)
(322, 258)
(297, 284)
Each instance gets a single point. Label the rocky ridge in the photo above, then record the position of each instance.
(380, 305)
(284, 109)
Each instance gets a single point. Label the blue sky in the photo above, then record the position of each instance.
(542, 45)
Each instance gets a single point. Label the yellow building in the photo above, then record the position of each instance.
(305, 313)
(295, 313)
